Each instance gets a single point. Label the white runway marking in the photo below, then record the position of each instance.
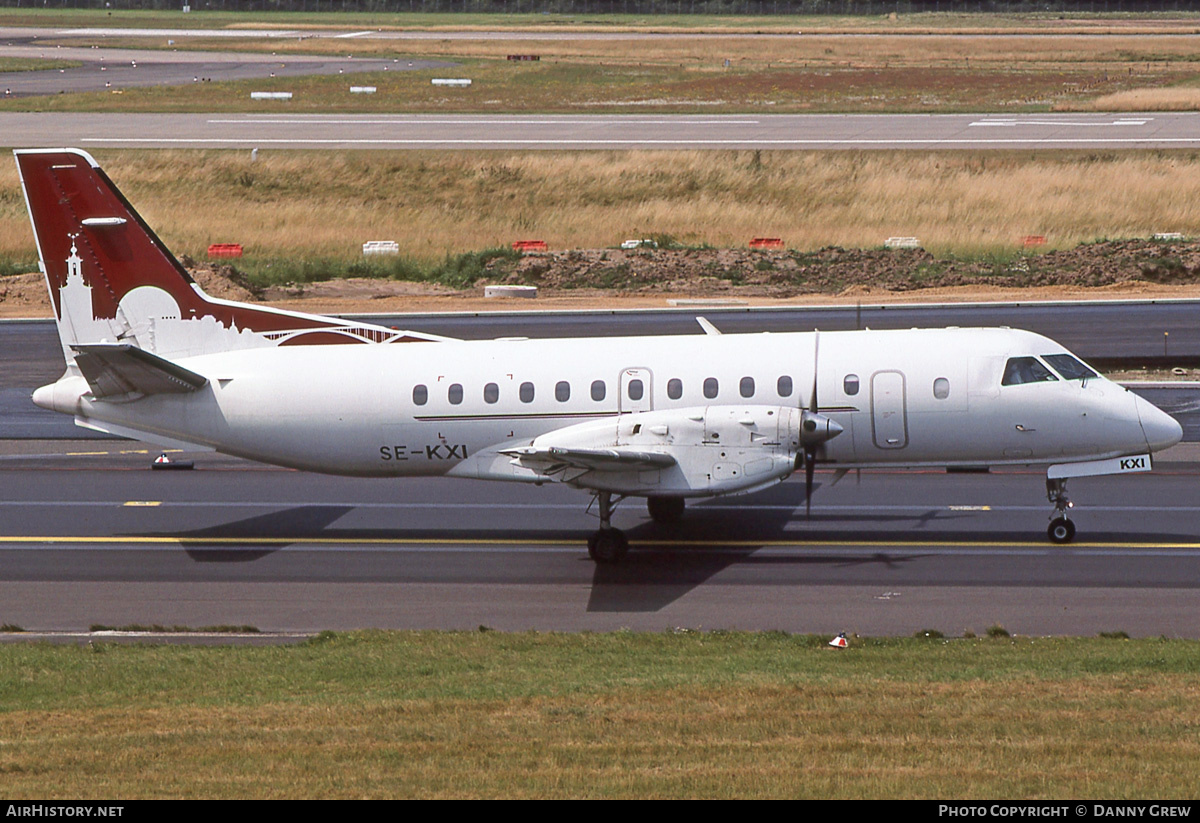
(591, 121)
(1058, 123)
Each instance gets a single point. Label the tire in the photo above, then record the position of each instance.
(1061, 531)
(608, 546)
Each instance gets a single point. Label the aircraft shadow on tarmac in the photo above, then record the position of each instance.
(666, 561)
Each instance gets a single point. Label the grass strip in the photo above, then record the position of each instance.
(676, 714)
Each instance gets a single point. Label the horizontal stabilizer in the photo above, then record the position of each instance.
(117, 369)
(612, 459)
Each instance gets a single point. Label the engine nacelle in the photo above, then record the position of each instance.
(693, 452)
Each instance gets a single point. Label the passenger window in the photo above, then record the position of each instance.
(525, 393)
(941, 388)
(636, 389)
(850, 384)
(674, 388)
(420, 395)
(710, 387)
(454, 394)
(562, 391)
(1069, 367)
(783, 386)
(1020, 370)
(491, 393)
(746, 387)
(598, 390)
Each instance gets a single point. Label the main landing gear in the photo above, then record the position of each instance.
(607, 545)
(1061, 529)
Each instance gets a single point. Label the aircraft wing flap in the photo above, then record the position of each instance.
(556, 458)
(117, 369)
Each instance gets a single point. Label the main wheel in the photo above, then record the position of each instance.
(608, 546)
(1061, 530)
(665, 509)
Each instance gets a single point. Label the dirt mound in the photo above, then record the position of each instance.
(222, 280)
(851, 272)
(1129, 268)
(24, 295)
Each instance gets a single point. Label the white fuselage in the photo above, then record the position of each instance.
(902, 398)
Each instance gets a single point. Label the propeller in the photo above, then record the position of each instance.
(815, 429)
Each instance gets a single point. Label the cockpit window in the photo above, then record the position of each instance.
(1069, 367)
(1026, 370)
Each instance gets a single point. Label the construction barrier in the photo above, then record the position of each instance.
(1168, 235)
(524, 57)
(450, 81)
(1031, 240)
(510, 291)
(902, 243)
(381, 247)
(270, 95)
(633, 244)
(362, 89)
(530, 245)
(225, 250)
(766, 243)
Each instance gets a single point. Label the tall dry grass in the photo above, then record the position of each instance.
(318, 204)
(1177, 98)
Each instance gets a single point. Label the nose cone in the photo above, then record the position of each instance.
(1161, 429)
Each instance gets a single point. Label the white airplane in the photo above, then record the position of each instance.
(151, 357)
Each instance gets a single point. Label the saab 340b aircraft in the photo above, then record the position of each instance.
(152, 357)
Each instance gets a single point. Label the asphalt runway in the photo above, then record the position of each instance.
(1160, 130)
(119, 68)
(89, 534)
(92, 536)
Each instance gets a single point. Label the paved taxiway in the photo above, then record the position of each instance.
(91, 535)
(602, 131)
(103, 69)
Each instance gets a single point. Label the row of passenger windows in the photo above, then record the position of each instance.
(634, 388)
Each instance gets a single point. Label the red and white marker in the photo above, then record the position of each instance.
(839, 642)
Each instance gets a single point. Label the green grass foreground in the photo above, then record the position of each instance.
(677, 714)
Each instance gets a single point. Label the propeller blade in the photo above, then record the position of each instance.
(810, 465)
(812, 402)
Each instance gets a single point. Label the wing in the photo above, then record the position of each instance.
(571, 463)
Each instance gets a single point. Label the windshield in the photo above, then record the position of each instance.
(1020, 370)
(1069, 367)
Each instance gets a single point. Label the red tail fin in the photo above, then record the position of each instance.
(112, 279)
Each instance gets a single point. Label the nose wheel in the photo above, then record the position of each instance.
(1061, 529)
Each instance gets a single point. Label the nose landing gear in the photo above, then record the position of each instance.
(1061, 529)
